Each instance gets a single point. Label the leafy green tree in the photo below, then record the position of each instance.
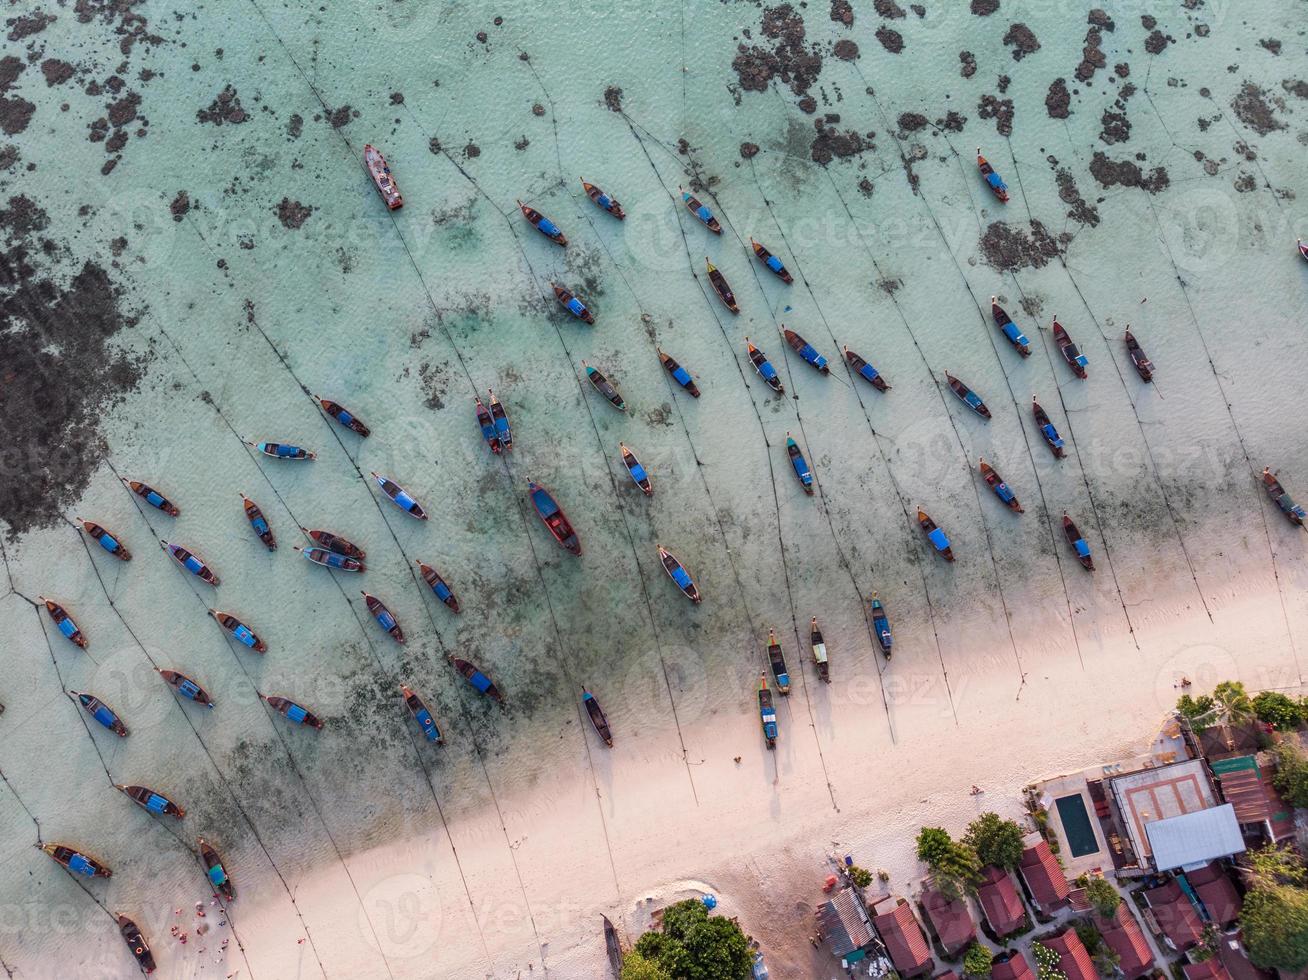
(954, 864)
(1197, 710)
(996, 841)
(1103, 897)
(1278, 710)
(860, 876)
(977, 961)
(1274, 919)
(1046, 963)
(1291, 776)
(636, 967)
(693, 946)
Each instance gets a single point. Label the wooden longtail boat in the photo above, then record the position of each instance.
(968, 396)
(609, 204)
(721, 287)
(544, 225)
(191, 563)
(555, 520)
(677, 572)
(152, 496)
(936, 535)
(679, 373)
(64, 622)
(1078, 543)
(101, 712)
(772, 262)
(637, 472)
(185, 687)
(1077, 361)
(605, 387)
(477, 679)
(700, 212)
(214, 870)
(819, 651)
(597, 717)
(1293, 512)
(573, 305)
(280, 450)
(131, 934)
(77, 862)
(501, 419)
(1001, 489)
(438, 586)
(1303, 249)
(1047, 429)
(109, 542)
(1143, 366)
(487, 427)
(400, 497)
(767, 713)
(330, 559)
(290, 710)
(866, 370)
(149, 800)
(239, 631)
(764, 367)
(384, 617)
(613, 946)
(777, 660)
(799, 464)
(805, 350)
(343, 416)
(381, 175)
(995, 182)
(260, 523)
(1009, 329)
(881, 624)
(421, 714)
(334, 542)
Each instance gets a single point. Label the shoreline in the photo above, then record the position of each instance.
(757, 840)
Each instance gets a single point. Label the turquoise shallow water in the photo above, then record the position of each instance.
(235, 315)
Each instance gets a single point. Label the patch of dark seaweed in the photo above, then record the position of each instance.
(984, 8)
(1022, 40)
(613, 98)
(1000, 110)
(1058, 101)
(890, 39)
(1127, 173)
(1009, 247)
(1256, 108)
(225, 108)
(1080, 209)
(58, 369)
(293, 214)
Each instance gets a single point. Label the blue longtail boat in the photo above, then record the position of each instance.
(677, 572)
(260, 523)
(700, 212)
(881, 624)
(330, 559)
(400, 497)
(290, 710)
(1009, 329)
(343, 416)
(764, 367)
(192, 563)
(555, 520)
(679, 373)
(969, 397)
(800, 465)
(1078, 543)
(1077, 361)
(995, 182)
(64, 622)
(101, 712)
(280, 450)
(477, 679)
(767, 713)
(385, 618)
(939, 540)
(152, 801)
(185, 687)
(544, 225)
(487, 427)
(439, 587)
(109, 542)
(777, 660)
(151, 496)
(501, 420)
(1047, 429)
(573, 305)
(637, 472)
(605, 201)
(772, 262)
(866, 370)
(421, 714)
(805, 350)
(1001, 489)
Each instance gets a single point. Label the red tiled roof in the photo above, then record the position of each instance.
(1176, 915)
(1044, 877)
(1207, 970)
(1014, 968)
(951, 920)
(904, 940)
(1123, 936)
(1074, 962)
(1215, 890)
(1000, 902)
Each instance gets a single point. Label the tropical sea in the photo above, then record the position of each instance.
(192, 249)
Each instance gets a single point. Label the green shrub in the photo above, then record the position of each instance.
(977, 961)
(996, 841)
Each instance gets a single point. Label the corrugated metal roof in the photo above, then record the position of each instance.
(1195, 838)
(843, 923)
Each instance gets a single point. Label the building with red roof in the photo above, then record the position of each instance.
(1000, 902)
(1215, 890)
(1044, 878)
(904, 941)
(1073, 959)
(951, 920)
(1124, 937)
(1175, 914)
(1210, 969)
(1014, 968)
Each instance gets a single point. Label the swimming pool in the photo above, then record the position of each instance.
(1076, 825)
